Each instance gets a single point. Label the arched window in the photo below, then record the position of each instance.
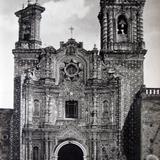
(122, 25)
(35, 153)
(36, 108)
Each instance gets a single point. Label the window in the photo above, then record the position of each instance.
(35, 153)
(71, 109)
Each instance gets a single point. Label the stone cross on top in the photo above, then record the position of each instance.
(32, 1)
(71, 29)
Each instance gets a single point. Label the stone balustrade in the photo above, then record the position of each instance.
(152, 91)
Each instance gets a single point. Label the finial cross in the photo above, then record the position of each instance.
(71, 29)
(23, 6)
(32, 1)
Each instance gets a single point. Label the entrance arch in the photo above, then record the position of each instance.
(70, 150)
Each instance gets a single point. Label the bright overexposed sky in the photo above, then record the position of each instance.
(59, 16)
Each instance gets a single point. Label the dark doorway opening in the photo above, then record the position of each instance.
(70, 152)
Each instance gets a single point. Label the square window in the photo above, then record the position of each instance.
(71, 109)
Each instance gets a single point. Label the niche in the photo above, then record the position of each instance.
(35, 153)
(36, 108)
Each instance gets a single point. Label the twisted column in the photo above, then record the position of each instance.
(105, 30)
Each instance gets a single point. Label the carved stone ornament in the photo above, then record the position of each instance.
(109, 152)
(72, 70)
(70, 50)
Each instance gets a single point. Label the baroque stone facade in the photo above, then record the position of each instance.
(71, 103)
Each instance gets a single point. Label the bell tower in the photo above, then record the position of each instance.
(121, 24)
(122, 45)
(122, 53)
(26, 57)
(29, 26)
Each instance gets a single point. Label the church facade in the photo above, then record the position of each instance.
(72, 103)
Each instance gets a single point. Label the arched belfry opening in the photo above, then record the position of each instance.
(70, 152)
(122, 25)
(122, 28)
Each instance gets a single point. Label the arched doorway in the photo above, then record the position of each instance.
(70, 152)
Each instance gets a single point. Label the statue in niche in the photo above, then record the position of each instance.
(106, 111)
(36, 108)
(86, 114)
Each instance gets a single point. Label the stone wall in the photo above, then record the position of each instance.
(130, 72)
(131, 131)
(5, 120)
(150, 123)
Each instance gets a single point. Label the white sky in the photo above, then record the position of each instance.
(56, 20)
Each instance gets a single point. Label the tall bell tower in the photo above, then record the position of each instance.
(122, 46)
(122, 53)
(26, 53)
(29, 27)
